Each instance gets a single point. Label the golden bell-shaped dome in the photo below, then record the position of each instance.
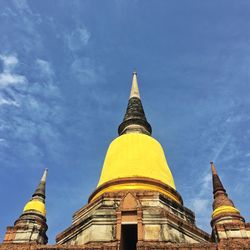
(136, 161)
(35, 205)
(136, 155)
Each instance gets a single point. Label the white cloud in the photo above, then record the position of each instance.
(201, 201)
(45, 67)
(87, 71)
(9, 62)
(7, 77)
(206, 184)
(78, 38)
(4, 101)
(3, 142)
(200, 205)
(22, 5)
(34, 109)
(84, 35)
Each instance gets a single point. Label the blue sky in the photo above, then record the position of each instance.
(65, 76)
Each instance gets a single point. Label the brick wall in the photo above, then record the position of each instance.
(232, 244)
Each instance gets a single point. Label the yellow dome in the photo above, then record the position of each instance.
(135, 155)
(36, 205)
(225, 209)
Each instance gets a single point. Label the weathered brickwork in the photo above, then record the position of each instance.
(110, 246)
(157, 218)
(223, 245)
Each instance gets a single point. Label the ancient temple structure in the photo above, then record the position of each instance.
(135, 205)
(31, 225)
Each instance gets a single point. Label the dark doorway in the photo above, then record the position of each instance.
(128, 237)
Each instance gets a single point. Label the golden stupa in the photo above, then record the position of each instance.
(135, 160)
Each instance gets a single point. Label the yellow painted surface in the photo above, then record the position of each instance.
(136, 155)
(225, 209)
(136, 186)
(35, 205)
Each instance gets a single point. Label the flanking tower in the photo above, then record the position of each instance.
(31, 226)
(227, 222)
(136, 201)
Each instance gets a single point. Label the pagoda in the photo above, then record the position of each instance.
(136, 199)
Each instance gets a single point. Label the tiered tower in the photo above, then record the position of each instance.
(227, 222)
(31, 226)
(136, 199)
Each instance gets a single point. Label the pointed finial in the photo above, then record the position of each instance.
(214, 172)
(44, 177)
(134, 89)
(40, 190)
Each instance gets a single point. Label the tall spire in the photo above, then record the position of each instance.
(40, 190)
(217, 185)
(220, 194)
(134, 120)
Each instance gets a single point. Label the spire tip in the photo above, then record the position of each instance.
(43, 179)
(134, 89)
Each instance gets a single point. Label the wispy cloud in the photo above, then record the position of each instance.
(201, 203)
(32, 124)
(78, 38)
(9, 62)
(218, 148)
(22, 5)
(87, 71)
(4, 101)
(45, 67)
(8, 77)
